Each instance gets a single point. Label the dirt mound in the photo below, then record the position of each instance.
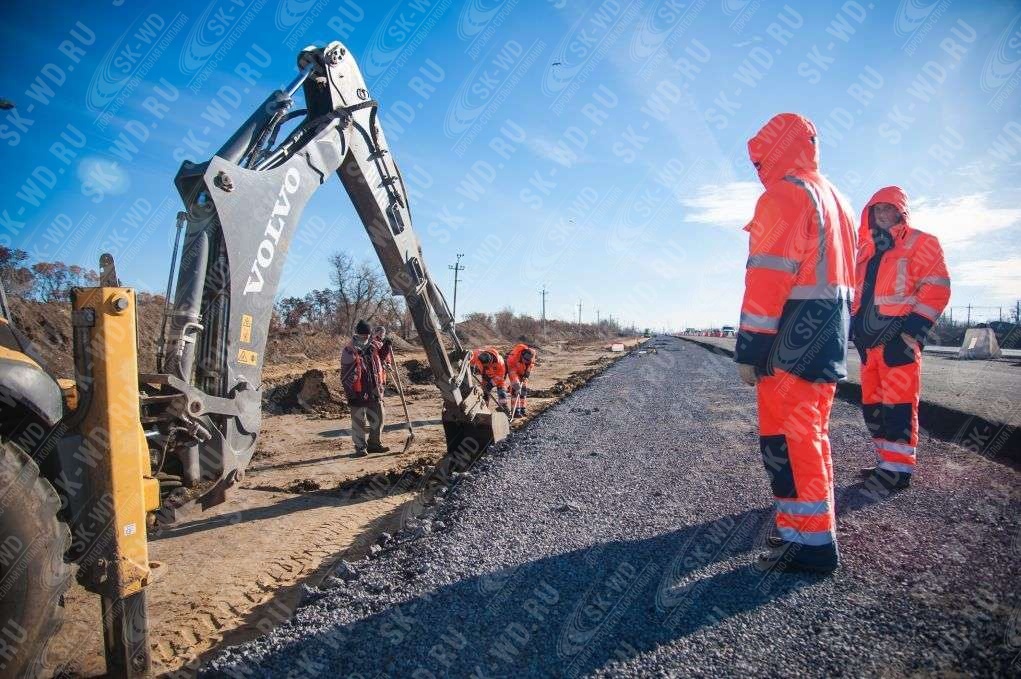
(306, 394)
(47, 325)
(419, 372)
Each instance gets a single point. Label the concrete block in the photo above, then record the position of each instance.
(980, 343)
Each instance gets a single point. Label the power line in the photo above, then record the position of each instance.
(457, 267)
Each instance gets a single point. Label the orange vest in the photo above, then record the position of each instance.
(912, 277)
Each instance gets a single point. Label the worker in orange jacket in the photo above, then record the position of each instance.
(489, 365)
(792, 340)
(519, 367)
(902, 286)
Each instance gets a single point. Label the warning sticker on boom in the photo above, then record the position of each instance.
(246, 328)
(247, 357)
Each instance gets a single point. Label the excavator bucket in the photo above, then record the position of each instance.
(467, 440)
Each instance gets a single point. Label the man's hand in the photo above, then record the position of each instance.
(747, 374)
(909, 340)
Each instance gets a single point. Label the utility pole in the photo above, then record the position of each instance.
(597, 316)
(457, 268)
(968, 322)
(579, 312)
(544, 293)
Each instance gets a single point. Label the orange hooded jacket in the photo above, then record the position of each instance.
(911, 283)
(799, 280)
(495, 370)
(516, 366)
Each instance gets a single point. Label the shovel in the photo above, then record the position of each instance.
(404, 402)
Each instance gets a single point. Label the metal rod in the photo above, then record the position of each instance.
(298, 81)
(182, 218)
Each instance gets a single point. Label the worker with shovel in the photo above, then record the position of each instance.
(519, 367)
(489, 366)
(363, 377)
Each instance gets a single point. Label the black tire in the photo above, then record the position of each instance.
(33, 573)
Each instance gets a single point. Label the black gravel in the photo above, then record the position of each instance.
(614, 536)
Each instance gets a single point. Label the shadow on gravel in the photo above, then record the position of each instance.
(566, 615)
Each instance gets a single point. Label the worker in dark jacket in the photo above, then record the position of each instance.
(792, 341)
(364, 379)
(902, 288)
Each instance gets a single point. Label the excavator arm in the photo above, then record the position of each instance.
(242, 207)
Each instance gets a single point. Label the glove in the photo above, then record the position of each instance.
(747, 374)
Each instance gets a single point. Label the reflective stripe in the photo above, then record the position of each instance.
(895, 447)
(772, 262)
(835, 292)
(821, 270)
(755, 321)
(896, 299)
(805, 537)
(926, 310)
(901, 283)
(942, 281)
(803, 508)
(897, 467)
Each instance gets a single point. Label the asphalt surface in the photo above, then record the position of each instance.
(614, 536)
(988, 389)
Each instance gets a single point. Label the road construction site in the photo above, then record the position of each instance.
(614, 536)
(235, 571)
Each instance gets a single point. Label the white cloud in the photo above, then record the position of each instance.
(963, 220)
(1000, 278)
(731, 204)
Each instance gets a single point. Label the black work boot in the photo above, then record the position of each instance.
(890, 480)
(868, 471)
(379, 448)
(358, 453)
(790, 557)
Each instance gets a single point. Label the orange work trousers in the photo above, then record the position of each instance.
(794, 421)
(890, 388)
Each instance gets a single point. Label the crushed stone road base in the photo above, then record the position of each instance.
(615, 535)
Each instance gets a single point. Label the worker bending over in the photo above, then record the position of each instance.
(792, 340)
(902, 286)
(364, 379)
(489, 365)
(519, 366)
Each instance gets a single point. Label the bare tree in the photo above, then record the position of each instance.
(361, 290)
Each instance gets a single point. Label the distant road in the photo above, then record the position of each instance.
(989, 390)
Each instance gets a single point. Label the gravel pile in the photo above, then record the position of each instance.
(614, 536)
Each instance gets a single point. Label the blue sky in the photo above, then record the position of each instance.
(595, 147)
